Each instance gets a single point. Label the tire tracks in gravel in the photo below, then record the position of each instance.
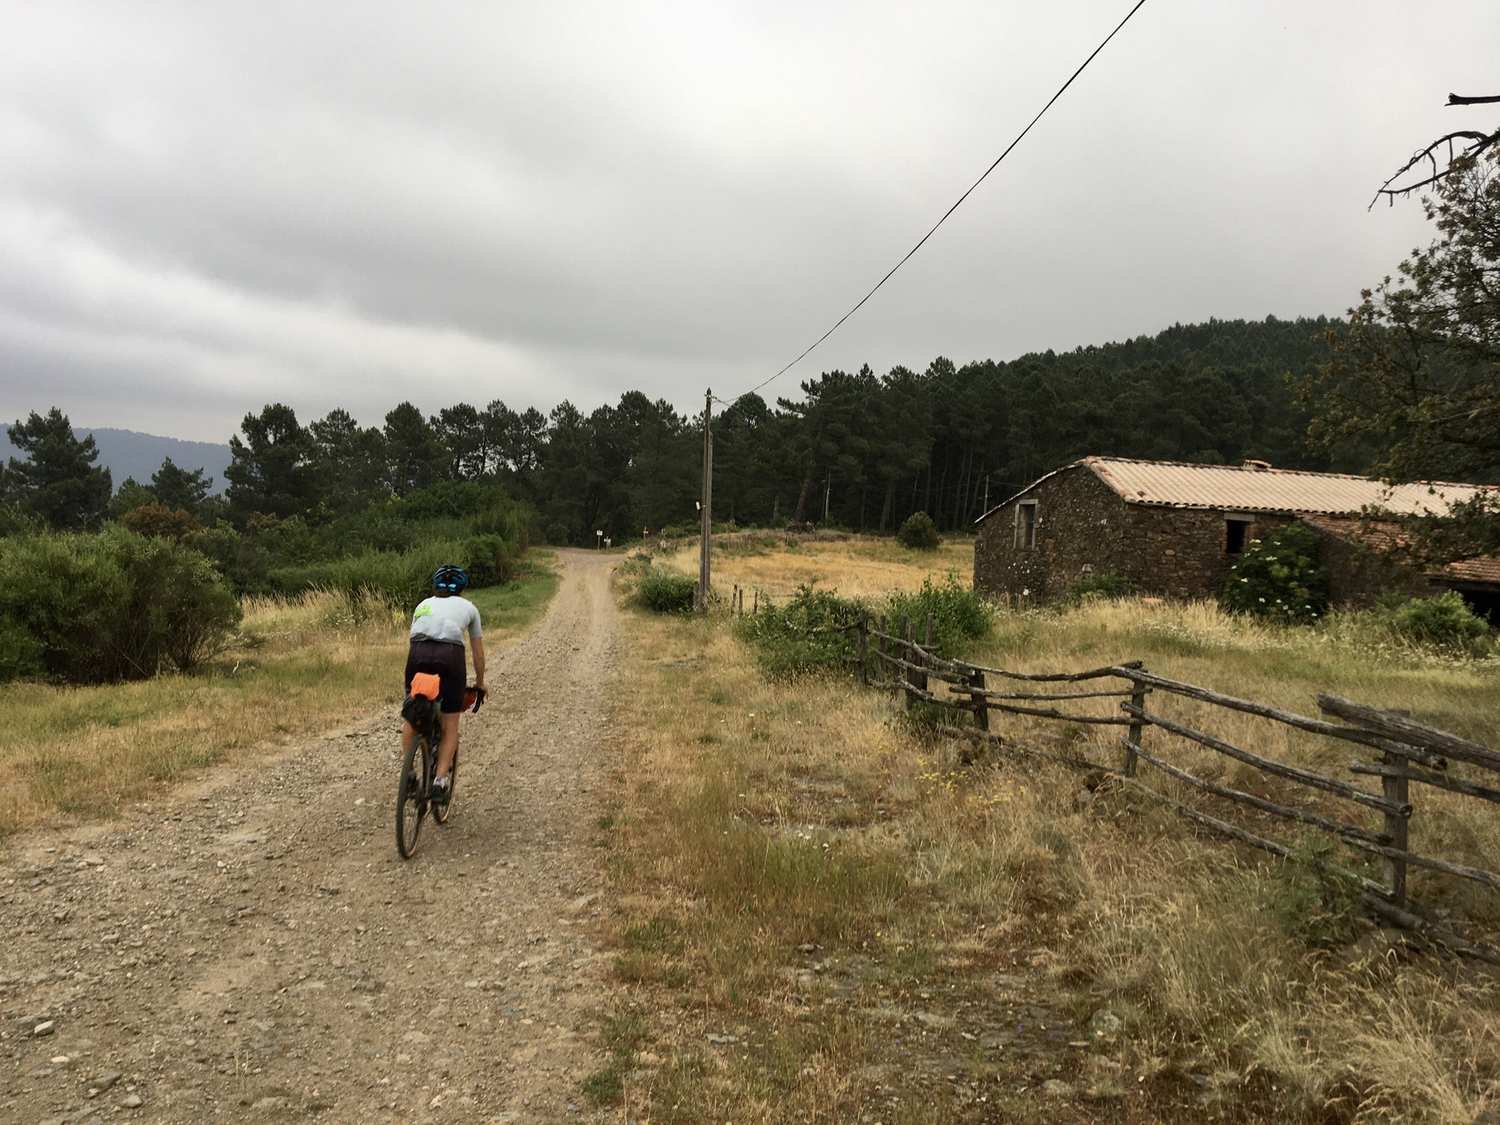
(256, 950)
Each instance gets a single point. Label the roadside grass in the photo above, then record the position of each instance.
(297, 666)
(824, 914)
(859, 566)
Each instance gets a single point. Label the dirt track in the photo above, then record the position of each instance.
(255, 949)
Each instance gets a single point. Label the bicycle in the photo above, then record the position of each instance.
(419, 764)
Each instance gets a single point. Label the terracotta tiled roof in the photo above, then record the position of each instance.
(1384, 536)
(1176, 484)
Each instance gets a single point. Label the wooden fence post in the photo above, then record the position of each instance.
(864, 649)
(981, 705)
(908, 674)
(1137, 727)
(1396, 827)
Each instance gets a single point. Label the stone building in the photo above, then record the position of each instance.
(1175, 529)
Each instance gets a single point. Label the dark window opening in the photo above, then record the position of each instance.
(1484, 601)
(1234, 536)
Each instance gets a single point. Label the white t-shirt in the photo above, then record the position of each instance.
(446, 619)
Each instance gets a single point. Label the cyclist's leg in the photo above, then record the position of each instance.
(448, 747)
(453, 677)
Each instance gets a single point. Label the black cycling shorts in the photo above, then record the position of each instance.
(444, 660)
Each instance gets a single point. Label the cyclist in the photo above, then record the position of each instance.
(438, 627)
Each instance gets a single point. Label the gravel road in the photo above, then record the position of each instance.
(254, 949)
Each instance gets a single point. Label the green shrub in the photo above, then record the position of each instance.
(371, 579)
(1313, 898)
(21, 654)
(158, 520)
(374, 581)
(491, 560)
(919, 533)
(1104, 585)
(1280, 577)
(1444, 621)
(110, 605)
(804, 635)
(663, 592)
(958, 614)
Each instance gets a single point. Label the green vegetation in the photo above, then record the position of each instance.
(1105, 585)
(1280, 578)
(1444, 622)
(959, 616)
(807, 634)
(1410, 386)
(655, 589)
(91, 607)
(663, 592)
(919, 533)
(57, 484)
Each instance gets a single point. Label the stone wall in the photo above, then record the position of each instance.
(1081, 530)
(1183, 551)
(1084, 528)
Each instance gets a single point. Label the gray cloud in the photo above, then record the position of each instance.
(206, 207)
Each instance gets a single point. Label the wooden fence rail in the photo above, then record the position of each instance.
(1411, 753)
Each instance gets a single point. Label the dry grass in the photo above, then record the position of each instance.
(871, 931)
(855, 567)
(297, 667)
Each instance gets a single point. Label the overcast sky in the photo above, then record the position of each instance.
(207, 206)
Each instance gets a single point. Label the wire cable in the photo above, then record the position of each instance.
(1019, 136)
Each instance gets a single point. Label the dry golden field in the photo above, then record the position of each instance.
(826, 915)
(856, 567)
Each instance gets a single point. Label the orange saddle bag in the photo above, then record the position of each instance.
(426, 684)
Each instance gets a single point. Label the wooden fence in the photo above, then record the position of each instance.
(1401, 754)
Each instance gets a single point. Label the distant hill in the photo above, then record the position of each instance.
(129, 454)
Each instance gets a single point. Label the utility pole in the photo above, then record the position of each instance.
(827, 493)
(706, 514)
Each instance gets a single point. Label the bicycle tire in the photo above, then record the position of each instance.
(410, 803)
(441, 812)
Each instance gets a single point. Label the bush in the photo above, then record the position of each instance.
(1280, 577)
(1313, 899)
(491, 560)
(919, 533)
(110, 605)
(805, 635)
(1444, 621)
(1104, 585)
(958, 614)
(160, 521)
(663, 592)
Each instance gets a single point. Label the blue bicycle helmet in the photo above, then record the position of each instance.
(449, 579)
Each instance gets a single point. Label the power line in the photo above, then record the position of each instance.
(955, 206)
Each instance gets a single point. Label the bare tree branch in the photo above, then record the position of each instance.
(1478, 143)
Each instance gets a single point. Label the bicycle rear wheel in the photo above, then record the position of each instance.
(411, 800)
(441, 812)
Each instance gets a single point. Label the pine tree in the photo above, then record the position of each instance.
(58, 481)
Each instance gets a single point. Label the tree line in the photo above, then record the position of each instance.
(856, 449)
